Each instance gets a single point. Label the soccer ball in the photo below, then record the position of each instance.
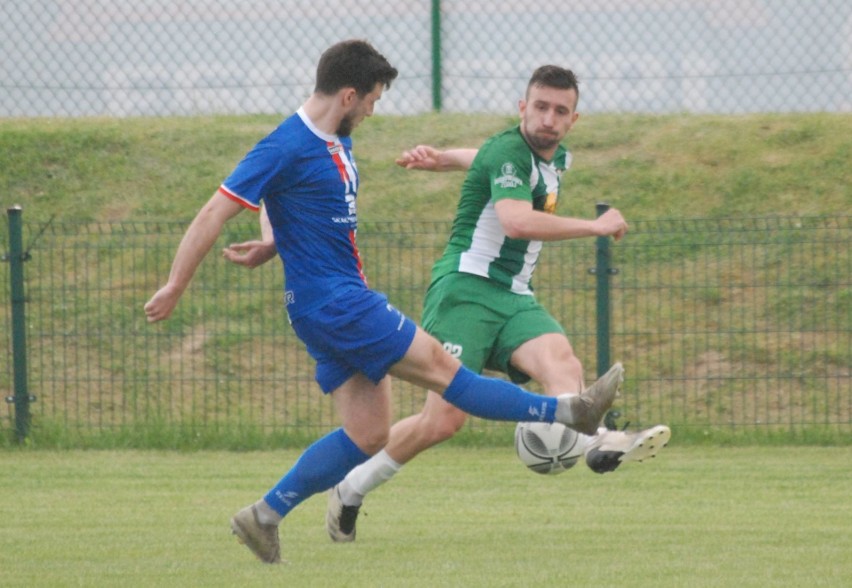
(547, 448)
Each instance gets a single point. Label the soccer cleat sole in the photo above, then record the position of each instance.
(649, 444)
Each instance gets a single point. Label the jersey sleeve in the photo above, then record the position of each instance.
(508, 171)
(257, 175)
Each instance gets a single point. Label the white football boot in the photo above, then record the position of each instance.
(609, 449)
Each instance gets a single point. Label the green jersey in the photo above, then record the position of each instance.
(505, 167)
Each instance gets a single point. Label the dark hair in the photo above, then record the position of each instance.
(353, 64)
(553, 76)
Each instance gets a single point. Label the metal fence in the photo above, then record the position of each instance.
(159, 57)
(736, 323)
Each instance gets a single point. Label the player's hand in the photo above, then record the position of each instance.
(250, 253)
(611, 223)
(162, 304)
(421, 157)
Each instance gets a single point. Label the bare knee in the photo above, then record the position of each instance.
(550, 360)
(573, 366)
(562, 375)
(441, 427)
(370, 441)
(564, 355)
(437, 422)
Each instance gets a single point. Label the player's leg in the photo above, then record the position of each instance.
(550, 360)
(447, 312)
(354, 340)
(364, 408)
(452, 304)
(435, 423)
(438, 421)
(427, 364)
(460, 312)
(533, 345)
(467, 315)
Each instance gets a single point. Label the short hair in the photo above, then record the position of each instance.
(353, 64)
(553, 76)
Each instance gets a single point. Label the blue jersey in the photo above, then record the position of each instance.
(308, 182)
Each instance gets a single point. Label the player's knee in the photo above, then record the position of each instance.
(568, 362)
(562, 373)
(573, 364)
(442, 427)
(562, 353)
(371, 442)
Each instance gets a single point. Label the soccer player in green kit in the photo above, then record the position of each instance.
(480, 304)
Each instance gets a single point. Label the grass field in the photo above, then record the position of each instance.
(697, 516)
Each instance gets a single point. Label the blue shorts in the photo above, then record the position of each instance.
(359, 331)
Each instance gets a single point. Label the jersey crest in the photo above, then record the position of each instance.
(509, 177)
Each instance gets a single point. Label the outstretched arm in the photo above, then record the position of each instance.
(428, 158)
(520, 221)
(196, 243)
(256, 252)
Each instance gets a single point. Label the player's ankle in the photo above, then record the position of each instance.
(348, 495)
(564, 412)
(265, 514)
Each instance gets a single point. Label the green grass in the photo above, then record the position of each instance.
(699, 516)
(649, 166)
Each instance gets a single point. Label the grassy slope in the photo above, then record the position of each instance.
(650, 167)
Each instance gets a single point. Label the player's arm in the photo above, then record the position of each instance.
(196, 243)
(521, 221)
(428, 158)
(255, 252)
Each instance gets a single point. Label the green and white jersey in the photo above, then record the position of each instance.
(505, 167)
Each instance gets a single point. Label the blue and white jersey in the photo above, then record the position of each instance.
(309, 182)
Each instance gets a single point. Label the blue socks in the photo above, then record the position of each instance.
(327, 461)
(321, 466)
(497, 400)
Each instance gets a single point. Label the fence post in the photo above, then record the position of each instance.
(16, 258)
(437, 82)
(602, 273)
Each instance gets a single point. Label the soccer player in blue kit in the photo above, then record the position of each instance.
(304, 173)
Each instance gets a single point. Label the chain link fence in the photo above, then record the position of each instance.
(161, 58)
(742, 324)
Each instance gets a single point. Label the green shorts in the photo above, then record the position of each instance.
(482, 323)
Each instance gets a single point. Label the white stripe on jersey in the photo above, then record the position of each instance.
(534, 173)
(485, 243)
(551, 177)
(521, 281)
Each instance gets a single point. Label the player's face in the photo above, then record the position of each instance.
(547, 114)
(360, 108)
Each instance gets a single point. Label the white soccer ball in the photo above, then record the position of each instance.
(547, 448)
